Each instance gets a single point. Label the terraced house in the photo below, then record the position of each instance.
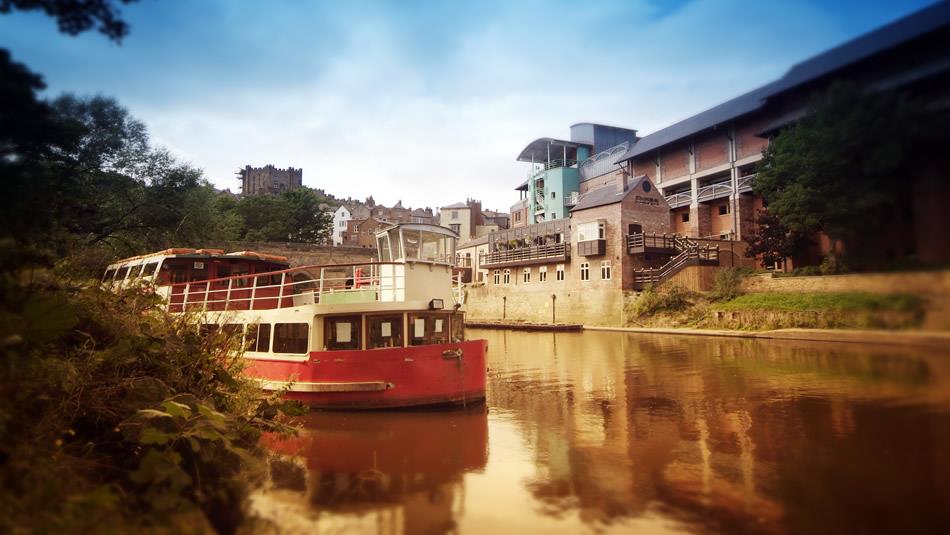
(608, 211)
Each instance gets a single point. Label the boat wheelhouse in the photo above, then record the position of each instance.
(183, 265)
(389, 333)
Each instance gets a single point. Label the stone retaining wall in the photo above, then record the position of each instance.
(922, 283)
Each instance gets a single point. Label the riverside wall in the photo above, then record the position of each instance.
(922, 283)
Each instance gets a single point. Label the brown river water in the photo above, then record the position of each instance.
(611, 432)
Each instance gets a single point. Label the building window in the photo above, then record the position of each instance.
(507, 276)
(559, 272)
(342, 332)
(384, 331)
(594, 230)
(723, 209)
(585, 271)
(684, 217)
(497, 276)
(291, 337)
(552, 195)
(542, 273)
(526, 275)
(456, 227)
(455, 215)
(605, 270)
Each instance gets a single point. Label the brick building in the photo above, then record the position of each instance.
(269, 180)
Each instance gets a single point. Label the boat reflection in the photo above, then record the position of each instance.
(394, 471)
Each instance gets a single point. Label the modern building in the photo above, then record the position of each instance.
(269, 180)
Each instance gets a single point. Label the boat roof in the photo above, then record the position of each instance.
(180, 252)
(427, 227)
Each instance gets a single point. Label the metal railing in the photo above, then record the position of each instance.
(381, 281)
(522, 254)
(602, 162)
(679, 199)
(744, 183)
(551, 164)
(714, 191)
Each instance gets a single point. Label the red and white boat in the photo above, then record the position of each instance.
(385, 334)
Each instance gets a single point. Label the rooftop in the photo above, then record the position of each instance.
(607, 195)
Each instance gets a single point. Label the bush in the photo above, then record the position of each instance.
(727, 284)
(116, 416)
(670, 298)
(833, 265)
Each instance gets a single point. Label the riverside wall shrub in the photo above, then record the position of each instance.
(118, 417)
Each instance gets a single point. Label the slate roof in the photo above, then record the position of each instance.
(456, 205)
(607, 195)
(861, 48)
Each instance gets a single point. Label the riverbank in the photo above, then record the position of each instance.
(932, 339)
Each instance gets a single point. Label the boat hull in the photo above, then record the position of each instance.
(437, 374)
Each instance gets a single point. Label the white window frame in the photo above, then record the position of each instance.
(592, 230)
(559, 272)
(496, 275)
(543, 274)
(506, 276)
(585, 271)
(605, 270)
(526, 275)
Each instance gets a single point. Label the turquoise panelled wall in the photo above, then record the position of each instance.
(561, 182)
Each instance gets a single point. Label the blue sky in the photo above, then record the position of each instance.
(424, 102)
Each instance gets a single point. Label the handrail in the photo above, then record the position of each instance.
(532, 252)
(744, 183)
(676, 200)
(714, 191)
(686, 248)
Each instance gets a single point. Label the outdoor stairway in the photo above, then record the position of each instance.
(688, 253)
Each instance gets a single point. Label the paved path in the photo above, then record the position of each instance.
(940, 339)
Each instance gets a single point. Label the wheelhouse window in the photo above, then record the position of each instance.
(291, 337)
(258, 337)
(342, 332)
(458, 328)
(384, 331)
(149, 269)
(121, 273)
(427, 245)
(110, 274)
(427, 329)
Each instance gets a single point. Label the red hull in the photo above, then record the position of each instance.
(382, 378)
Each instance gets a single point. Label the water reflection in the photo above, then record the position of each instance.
(608, 432)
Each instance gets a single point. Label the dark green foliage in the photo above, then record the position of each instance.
(772, 240)
(843, 165)
(77, 16)
(115, 416)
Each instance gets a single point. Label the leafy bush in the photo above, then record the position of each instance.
(671, 298)
(115, 416)
(727, 284)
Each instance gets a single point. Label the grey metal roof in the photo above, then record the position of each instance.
(607, 195)
(901, 31)
(537, 150)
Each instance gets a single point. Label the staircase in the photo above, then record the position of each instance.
(688, 253)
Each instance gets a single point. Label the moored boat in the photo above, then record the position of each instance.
(384, 334)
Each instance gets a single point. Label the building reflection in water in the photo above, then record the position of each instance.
(609, 432)
(726, 435)
(387, 472)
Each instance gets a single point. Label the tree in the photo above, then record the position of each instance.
(841, 166)
(77, 16)
(772, 240)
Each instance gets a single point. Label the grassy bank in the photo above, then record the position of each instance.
(727, 308)
(117, 417)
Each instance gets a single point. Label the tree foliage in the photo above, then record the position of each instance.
(77, 16)
(772, 241)
(843, 165)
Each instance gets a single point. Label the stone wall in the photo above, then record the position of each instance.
(922, 283)
(304, 254)
(588, 305)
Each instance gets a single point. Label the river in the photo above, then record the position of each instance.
(611, 432)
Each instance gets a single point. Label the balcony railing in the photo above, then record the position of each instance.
(745, 183)
(534, 254)
(714, 191)
(641, 243)
(553, 164)
(679, 199)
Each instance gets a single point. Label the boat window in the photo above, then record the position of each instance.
(268, 280)
(430, 246)
(233, 331)
(396, 244)
(258, 337)
(149, 269)
(428, 329)
(382, 245)
(458, 327)
(208, 329)
(342, 332)
(384, 331)
(199, 271)
(291, 337)
(223, 270)
(110, 274)
(121, 273)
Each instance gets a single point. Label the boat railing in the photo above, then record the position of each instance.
(317, 284)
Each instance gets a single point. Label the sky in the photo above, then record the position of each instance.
(424, 102)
